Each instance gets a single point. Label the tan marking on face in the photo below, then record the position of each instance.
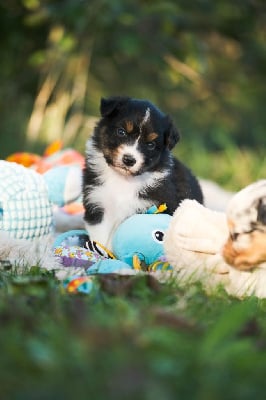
(248, 257)
(129, 126)
(110, 153)
(152, 136)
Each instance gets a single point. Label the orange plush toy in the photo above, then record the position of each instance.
(54, 155)
(24, 158)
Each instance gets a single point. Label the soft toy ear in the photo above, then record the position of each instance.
(108, 106)
(172, 136)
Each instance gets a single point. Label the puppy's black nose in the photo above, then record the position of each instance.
(128, 160)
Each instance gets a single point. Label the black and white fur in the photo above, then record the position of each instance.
(129, 166)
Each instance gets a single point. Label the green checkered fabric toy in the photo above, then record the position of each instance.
(27, 198)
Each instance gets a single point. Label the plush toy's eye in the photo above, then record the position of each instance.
(158, 236)
(121, 132)
(151, 145)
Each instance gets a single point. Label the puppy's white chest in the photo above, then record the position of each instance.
(119, 195)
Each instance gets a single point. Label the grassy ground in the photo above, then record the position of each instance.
(132, 338)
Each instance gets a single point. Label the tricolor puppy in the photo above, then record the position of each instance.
(129, 166)
(246, 246)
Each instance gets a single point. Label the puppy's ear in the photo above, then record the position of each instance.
(112, 104)
(172, 136)
(262, 211)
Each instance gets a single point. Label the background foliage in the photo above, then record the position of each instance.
(203, 62)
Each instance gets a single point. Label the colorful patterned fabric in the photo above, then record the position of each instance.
(76, 256)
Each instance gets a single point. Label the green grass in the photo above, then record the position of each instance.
(133, 338)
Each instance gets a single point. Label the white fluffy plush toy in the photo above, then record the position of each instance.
(222, 248)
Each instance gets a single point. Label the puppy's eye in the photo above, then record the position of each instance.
(121, 132)
(151, 145)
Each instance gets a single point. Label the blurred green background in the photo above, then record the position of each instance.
(202, 62)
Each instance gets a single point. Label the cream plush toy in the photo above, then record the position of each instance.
(222, 248)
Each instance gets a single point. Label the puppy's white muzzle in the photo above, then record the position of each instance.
(128, 159)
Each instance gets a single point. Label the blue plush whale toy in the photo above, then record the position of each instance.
(137, 246)
(138, 241)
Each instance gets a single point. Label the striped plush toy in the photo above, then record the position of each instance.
(27, 197)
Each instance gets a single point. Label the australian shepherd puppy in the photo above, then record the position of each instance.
(129, 166)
